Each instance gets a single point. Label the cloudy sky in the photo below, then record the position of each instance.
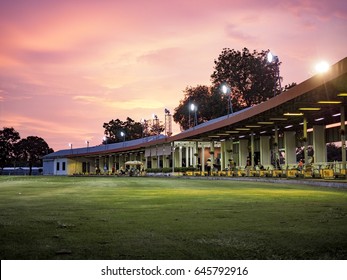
(66, 67)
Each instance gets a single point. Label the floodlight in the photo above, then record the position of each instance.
(322, 67)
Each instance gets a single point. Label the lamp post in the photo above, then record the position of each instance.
(156, 124)
(273, 59)
(87, 142)
(168, 123)
(122, 134)
(70, 145)
(225, 88)
(104, 141)
(144, 124)
(194, 109)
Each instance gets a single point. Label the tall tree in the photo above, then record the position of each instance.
(31, 150)
(8, 138)
(252, 79)
(208, 103)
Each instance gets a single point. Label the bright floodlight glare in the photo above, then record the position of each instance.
(192, 107)
(122, 134)
(322, 67)
(270, 57)
(225, 89)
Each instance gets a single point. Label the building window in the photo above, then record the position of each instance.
(58, 166)
(64, 165)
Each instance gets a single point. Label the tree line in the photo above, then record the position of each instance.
(118, 131)
(17, 151)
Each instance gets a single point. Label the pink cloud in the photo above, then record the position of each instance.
(235, 34)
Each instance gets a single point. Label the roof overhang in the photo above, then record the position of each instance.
(318, 100)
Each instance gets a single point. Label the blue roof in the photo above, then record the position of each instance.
(131, 143)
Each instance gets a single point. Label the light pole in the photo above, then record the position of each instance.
(273, 59)
(87, 142)
(122, 134)
(168, 123)
(225, 88)
(70, 145)
(194, 109)
(104, 140)
(156, 124)
(144, 124)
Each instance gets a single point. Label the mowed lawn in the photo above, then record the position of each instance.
(169, 218)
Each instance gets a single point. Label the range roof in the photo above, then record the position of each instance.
(318, 99)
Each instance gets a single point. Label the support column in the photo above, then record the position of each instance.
(243, 152)
(191, 155)
(179, 157)
(319, 145)
(230, 153)
(222, 155)
(305, 140)
(202, 161)
(265, 154)
(343, 138)
(252, 149)
(276, 149)
(290, 147)
(173, 156)
(195, 154)
(110, 163)
(212, 154)
(229, 149)
(145, 163)
(187, 155)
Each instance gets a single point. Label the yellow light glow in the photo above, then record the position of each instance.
(329, 102)
(266, 122)
(309, 109)
(342, 94)
(293, 114)
(242, 129)
(253, 126)
(232, 131)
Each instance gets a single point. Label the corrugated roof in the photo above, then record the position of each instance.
(102, 148)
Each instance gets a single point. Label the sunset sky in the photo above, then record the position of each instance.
(66, 67)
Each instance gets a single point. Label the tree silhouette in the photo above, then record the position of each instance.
(131, 129)
(252, 79)
(208, 102)
(31, 150)
(8, 138)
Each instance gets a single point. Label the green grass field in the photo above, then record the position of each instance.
(161, 218)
